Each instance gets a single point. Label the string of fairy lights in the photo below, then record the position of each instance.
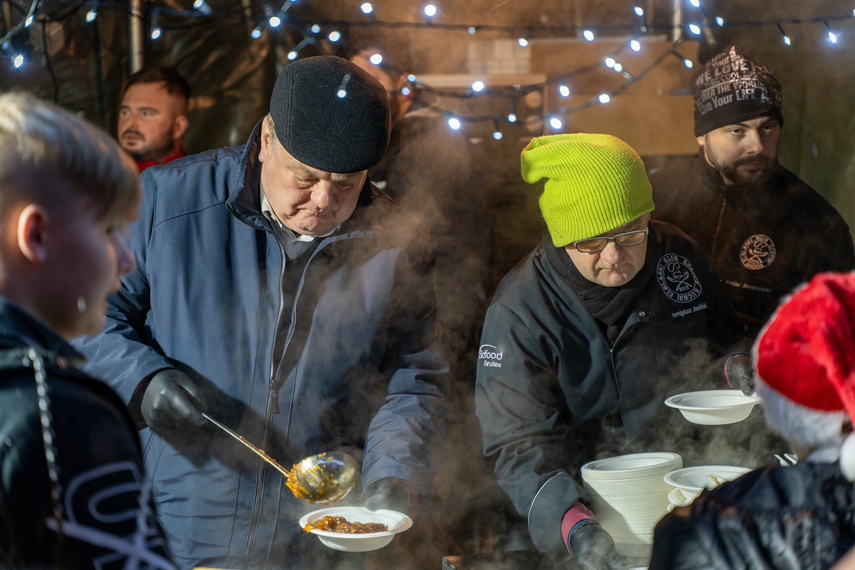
(314, 32)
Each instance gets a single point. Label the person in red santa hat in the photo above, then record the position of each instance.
(793, 517)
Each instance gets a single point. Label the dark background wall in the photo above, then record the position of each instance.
(81, 65)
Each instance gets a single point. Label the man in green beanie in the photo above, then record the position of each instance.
(588, 335)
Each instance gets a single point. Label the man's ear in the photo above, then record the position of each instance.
(32, 233)
(179, 127)
(266, 142)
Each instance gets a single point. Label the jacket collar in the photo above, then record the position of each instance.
(19, 328)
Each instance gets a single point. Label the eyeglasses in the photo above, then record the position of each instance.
(596, 244)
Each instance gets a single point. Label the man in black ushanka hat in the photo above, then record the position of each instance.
(766, 230)
(281, 292)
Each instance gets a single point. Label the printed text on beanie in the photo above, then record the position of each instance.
(730, 89)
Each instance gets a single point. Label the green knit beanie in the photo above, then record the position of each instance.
(594, 184)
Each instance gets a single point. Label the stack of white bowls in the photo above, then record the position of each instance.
(629, 496)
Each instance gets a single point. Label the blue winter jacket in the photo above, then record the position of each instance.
(360, 370)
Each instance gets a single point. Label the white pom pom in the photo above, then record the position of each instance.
(847, 457)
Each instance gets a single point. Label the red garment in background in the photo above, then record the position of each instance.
(178, 154)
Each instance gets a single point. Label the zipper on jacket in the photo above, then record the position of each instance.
(275, 386)
(272, 407)
(718, 224)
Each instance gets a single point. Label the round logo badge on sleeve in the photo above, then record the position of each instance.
(757, 252)
(677, 278)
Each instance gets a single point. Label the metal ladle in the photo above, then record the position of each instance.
(323, 478)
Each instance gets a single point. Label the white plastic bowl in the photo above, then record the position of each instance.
(397, 522)
(697, 478)
(689, 482)
(714, 407)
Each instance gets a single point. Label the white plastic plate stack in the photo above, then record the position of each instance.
(629, 496)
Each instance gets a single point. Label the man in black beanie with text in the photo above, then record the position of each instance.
(766, 230)
(283, 294)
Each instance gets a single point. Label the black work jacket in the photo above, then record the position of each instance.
(783, 518)
(765, 239)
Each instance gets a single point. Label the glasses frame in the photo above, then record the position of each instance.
(614, 239)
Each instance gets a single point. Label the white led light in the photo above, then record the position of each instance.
(454, 123)
(639, 11)
(367, 8)
(604, 98)
(28, 21)
(720, 21)
(555, 123)
(91, 15)
(292, 55)
(588, 35)
(512, 117)
(274, 21)
(155, 33)
(523, 42)
(19, 61)
(695, 3)
(334, 36)
(315, 28)
(564, 90)
(256, 33)
(478, 86)
(635, 45)
(695, 29)
(376, 59)
(618, 67)
(787, 39)
(472, 29)
(341, 93)
(430, 10)
(688, 63)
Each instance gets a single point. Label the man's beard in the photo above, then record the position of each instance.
(730, 172)
(157, 153)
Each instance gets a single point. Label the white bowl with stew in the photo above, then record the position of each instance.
(358, 542)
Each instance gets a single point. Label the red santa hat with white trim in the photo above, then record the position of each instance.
(806, 352)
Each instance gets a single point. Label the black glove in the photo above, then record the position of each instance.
(593, 548)
(739, 372)
(171, 399)
(389, 493)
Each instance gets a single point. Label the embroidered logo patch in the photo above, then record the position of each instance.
(757, 252)
(677, 278)
(490, 355)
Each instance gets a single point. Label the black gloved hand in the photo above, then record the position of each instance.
(739, 372)
(593, 548)
(389, 493)
(171, 399)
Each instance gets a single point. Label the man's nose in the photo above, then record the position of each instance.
(323, 196)
(611, 253)
(753, 142)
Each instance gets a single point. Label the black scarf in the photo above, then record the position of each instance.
(608, 305)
